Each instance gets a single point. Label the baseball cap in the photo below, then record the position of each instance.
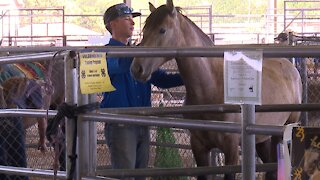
(116, 11)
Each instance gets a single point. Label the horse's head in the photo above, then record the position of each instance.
(22, 92)
(161, 29)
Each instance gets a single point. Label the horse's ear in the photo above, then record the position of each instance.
(151, 7)
(171, 7)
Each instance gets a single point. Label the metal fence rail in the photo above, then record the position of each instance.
(270, 50)
(165, 122)
(160, 172)
(31, 172)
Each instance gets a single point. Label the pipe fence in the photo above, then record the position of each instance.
(87, 167)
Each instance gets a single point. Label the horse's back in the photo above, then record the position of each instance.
(281, 82)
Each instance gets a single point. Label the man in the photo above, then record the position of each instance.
(128, 144)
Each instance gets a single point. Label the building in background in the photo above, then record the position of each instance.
(9, 17)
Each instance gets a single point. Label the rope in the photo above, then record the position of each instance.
(53, 131)
(47, 85)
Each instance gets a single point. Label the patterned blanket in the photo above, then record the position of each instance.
(30, 70)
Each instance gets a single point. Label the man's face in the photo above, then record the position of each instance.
(123, 26)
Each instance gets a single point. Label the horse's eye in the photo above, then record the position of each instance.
(162, 31)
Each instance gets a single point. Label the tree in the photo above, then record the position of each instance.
(73, 7)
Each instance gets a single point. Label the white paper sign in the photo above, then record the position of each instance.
(242, 77)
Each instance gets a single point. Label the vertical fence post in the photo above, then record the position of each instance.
(83, 139)
(210, 19)
(248, 143)
(87, 135)
(92, 141)
(71, 87)
(301, 64)
(304, 78)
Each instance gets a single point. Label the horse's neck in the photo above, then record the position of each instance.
(202, 78)
(194, 36)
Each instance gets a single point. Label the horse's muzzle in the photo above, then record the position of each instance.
(138, 73)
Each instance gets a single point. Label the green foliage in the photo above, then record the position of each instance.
(167, 157)
(97, 7)
(239, 6)
(74, 7)
(44, 3)
(218, 6)
(309, 8)
(223, 11)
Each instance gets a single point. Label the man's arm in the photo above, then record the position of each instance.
(118, 65)
(162, 79)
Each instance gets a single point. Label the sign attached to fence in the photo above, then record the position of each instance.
(94, 75)
(242, 77)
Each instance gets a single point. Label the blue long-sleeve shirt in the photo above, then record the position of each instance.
(129, 92)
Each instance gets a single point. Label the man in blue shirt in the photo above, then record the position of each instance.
(128, 144)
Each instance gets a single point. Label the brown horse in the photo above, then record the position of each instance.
(203, 78)
(15, 94)
(16, 81)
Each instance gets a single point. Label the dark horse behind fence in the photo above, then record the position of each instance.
(20, 81)
(203, 78)
(13, 92)
(27, 86)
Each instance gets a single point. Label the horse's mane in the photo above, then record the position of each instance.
(203, 36)
(157, 17)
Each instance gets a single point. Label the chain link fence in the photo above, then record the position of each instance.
(310, 74)
(19, 135)
(171, 144)
(166, 144)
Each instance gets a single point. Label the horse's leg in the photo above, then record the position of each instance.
(264, 151)
(267, 151)
(231, 152)
(42, 125)
(201, 154)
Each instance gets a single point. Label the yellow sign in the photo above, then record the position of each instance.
(94, 75)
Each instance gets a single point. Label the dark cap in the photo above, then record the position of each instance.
(116, 11)
(282, 37)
